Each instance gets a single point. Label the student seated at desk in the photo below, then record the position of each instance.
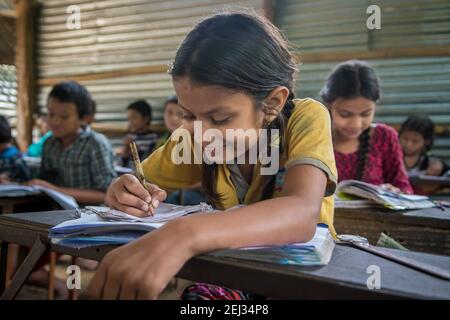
(364, 151)
(35, 149)
(139, 114)
(416, 136)
(283, 204)
(75, 160)
(12, 166)
(173, 118)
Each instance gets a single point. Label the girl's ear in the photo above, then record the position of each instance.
(274, 103)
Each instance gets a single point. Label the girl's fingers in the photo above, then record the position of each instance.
(111, 291)
(130, 200)
(158, 195)
(97, 283)
(130, 210)
(132, 184)
(128, 291)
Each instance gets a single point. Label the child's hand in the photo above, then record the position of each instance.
(135, 272)
(127, 194)
(42, 183)
(434, 168)
(391, 188)
(4, 178)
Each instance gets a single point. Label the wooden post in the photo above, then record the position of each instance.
(25, 14)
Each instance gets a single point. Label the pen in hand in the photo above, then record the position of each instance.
(140, 172)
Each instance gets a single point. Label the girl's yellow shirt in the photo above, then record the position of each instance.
(308, 141)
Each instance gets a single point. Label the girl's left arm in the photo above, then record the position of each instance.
(142, 268)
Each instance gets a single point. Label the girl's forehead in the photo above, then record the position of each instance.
(411, 133)
(356, 104)
(199, 98)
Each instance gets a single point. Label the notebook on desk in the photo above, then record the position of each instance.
(17, 190)
(102, 226)
(349, 190)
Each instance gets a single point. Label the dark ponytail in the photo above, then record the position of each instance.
(241, 51)
(350, 80)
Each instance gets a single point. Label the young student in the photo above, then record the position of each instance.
(250, 91)
(12, 166)
(173, 118)
(363, 150)
(416, 136)
(75, 160)
(139, 114)
(35, 149)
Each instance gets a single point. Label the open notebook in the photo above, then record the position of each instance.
(17, 190)
(101, 226)
(349, 190)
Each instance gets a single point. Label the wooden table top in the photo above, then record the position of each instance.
(345, 277)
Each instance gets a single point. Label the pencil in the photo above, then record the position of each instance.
(138, 166)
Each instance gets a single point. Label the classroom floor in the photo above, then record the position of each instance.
(30, 292)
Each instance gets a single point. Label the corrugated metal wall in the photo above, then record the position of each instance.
(8, 92)
(409, 84)
(407, 23)
(115, 35)
(326, 25)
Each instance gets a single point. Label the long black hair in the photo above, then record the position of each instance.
(349, 80)
(240, 51)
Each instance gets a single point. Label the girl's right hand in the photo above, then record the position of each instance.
(127, 194)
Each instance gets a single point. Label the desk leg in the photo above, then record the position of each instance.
(13, 254)
(73, 292)
(3, 265)
(25, 269)
(51, 277)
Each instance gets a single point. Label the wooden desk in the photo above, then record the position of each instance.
(28, 203)
(442, 181)
(345, 277)
(36, 202)
(426, 230)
